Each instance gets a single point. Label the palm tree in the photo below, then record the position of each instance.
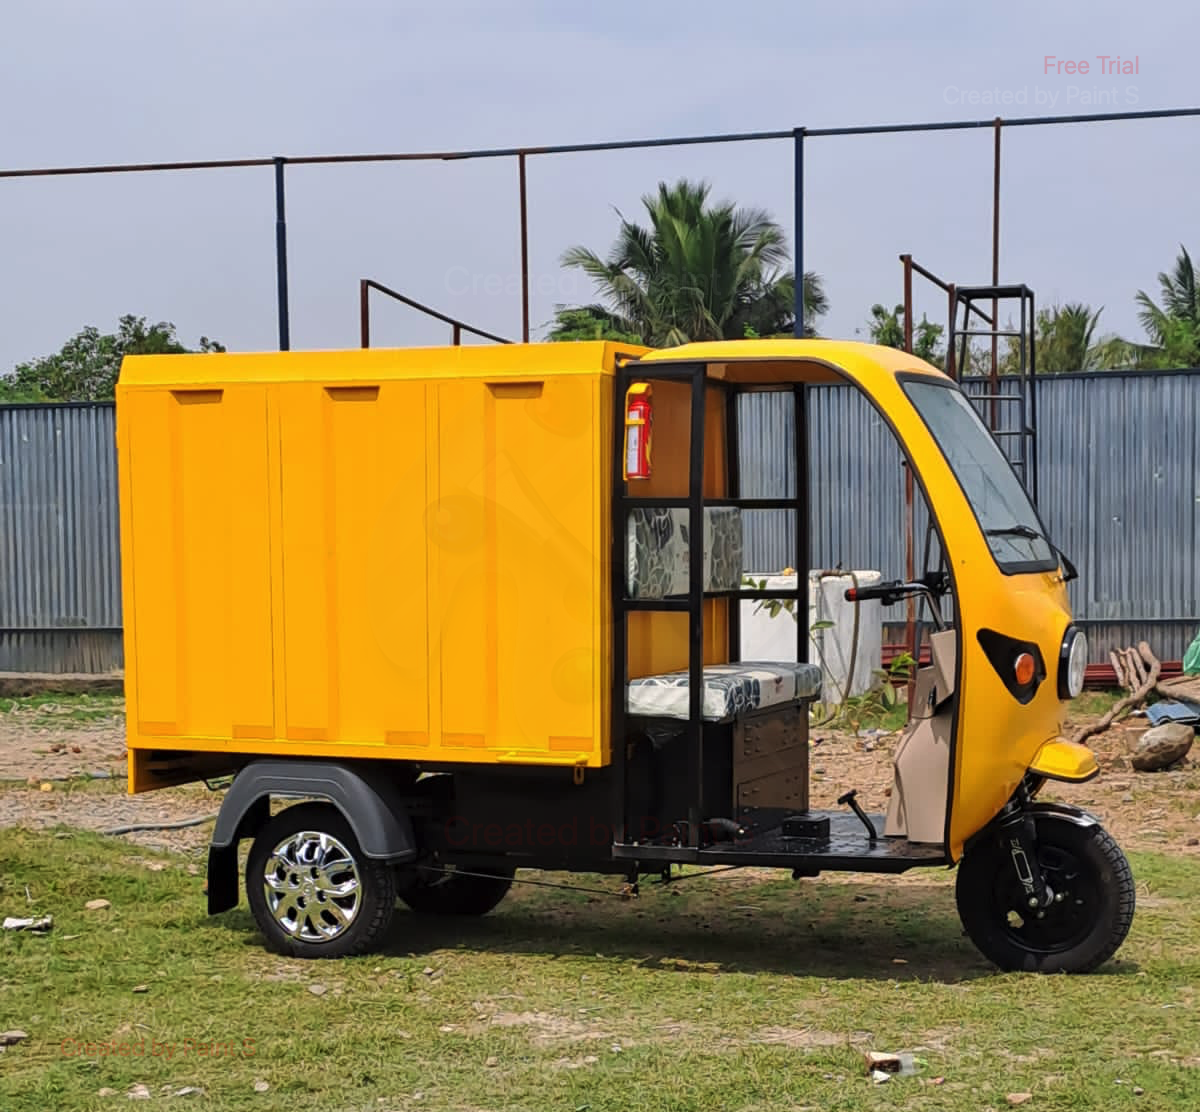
(1173, 327)
(1065, 339)
(1066, 342)
(698, 272)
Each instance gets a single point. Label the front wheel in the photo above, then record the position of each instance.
(1093, 909)
(313, 891)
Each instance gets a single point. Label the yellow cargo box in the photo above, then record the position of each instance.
(378, 553)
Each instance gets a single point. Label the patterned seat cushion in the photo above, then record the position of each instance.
(658, 551)
(729, 689)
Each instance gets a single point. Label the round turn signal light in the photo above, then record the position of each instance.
(1024, 669)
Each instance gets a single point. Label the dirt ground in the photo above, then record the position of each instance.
(58, 770)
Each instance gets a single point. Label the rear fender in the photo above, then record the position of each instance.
(368, 798)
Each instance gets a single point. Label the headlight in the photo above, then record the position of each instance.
(1072, 663)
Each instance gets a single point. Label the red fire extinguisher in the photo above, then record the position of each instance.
(639, 417)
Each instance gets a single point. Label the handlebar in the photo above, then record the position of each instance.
(896, 591)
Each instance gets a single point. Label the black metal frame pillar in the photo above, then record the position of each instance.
(281, 264)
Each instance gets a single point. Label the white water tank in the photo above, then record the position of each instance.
(767, 638)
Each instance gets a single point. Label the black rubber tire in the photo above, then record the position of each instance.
(376, 885)
(453, 893)
(1078, 934)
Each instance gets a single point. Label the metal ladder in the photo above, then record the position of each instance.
(1010, 414)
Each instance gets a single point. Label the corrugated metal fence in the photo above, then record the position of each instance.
(60, 581)
(1119, 474)
(1120, 493)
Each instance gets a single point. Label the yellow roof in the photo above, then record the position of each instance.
(758, 361)
(373, 364)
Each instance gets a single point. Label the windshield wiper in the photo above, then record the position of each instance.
(1026, 531)
(1029, 533)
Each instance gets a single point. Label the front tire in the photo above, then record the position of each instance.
(1080, 931)
(313, 891)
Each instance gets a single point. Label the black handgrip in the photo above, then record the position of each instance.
(888, 592)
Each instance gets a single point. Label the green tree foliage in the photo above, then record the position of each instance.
(1174, 326)
(588, 322)
(698, 271)
(886, 327)
(86, 368)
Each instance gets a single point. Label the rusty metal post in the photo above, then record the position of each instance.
(364, 312)
(908, 305)
(457, 335)
(952, 297)
(524, 251)
(994, 387)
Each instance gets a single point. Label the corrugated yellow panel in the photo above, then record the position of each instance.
(306, 542)
(200, 546)
(378, 597)
(148, 556)
(514, 536)
(353, 510)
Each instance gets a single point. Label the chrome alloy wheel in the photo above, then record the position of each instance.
(312, 886)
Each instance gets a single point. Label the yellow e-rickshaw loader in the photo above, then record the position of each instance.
(477, 609)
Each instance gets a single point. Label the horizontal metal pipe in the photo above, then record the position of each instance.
(616, 145)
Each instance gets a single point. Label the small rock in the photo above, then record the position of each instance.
(47, 787)
(1163, 745)
(879, 1077)
(1019, 1098)
(155, 866)
(1193, 841)
(141, 988)
(189, 1091)
(590, 1059)
(1127, 797)
(317, 990)
(193, 870)
(106, 1092)
(261, 1086)
(492, 1061)
(97, 905)
(899, 961)
(138, 1092)
(428, 971)
(11, 1038)
(446, 1029)
(1138, 1090)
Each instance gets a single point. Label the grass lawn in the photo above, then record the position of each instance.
(726, 993)
(55, 710)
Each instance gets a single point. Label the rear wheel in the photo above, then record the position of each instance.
(313, 892)
(450, 892)
(1082, 929)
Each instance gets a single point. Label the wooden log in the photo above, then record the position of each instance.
(1152, 668)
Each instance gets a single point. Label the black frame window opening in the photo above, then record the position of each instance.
(1002, 507)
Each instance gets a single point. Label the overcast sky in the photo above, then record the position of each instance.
(1090, 212)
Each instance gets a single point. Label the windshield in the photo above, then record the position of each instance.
(1007, 517)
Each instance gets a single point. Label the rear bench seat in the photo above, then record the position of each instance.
(729, 690)
(658, 568)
